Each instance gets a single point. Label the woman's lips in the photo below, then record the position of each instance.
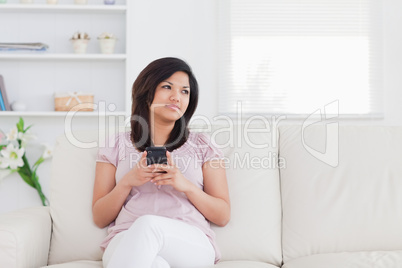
(173, 107)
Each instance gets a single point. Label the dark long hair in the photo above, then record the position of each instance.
(143, 93)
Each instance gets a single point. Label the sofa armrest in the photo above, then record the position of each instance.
(25, 237)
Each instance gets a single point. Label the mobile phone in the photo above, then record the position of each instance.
(156, 155)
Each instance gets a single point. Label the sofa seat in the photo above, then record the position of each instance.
(363, 259)
(244, 264)
(224, 264)
(78, 264)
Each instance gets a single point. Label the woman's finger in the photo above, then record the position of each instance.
(160, 168)
(143, 160)
(163, 176)
(161, 181)
(169, 158)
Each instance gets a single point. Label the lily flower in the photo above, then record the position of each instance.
(48, 152)
(12, 156)
(13, 134)
(25, 137)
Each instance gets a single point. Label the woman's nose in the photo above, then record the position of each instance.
(175, 95)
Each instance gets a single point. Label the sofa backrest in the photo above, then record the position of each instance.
(74, 236)
(254, 232)
(352, 205)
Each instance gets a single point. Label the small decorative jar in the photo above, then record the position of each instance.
(107, 42)
(18, 106)
(109, 2)
(80, 2)
(80, 42)
(80, 46)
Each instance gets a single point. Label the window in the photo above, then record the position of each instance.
(294, 56)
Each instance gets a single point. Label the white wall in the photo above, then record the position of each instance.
(188, 29)
(180, 28)
(392, 28)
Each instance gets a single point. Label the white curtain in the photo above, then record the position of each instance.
(294, 56)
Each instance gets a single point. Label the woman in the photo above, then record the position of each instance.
(159, 215)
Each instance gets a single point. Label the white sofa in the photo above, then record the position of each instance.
(305, 214)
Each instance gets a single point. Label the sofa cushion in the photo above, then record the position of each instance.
(369, 259)
(254, 231)
(75, 236)
(354, 205)
(25, 237)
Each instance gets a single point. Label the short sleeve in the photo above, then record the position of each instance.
(109, 153)
(209, 150)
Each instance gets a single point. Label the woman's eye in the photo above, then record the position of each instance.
(185, 91)
(166, 86)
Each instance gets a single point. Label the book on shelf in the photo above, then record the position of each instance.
(4, 104)
(23, 47)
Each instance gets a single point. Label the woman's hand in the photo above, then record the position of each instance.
(212, 201)
(172, 177)
(140, 173)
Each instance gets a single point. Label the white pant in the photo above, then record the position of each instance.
(159, 242)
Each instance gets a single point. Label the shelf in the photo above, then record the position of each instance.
(98, 72)
(64, 8)
(66, 56)
(60, 114)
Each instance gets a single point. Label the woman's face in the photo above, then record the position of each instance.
(172, 97)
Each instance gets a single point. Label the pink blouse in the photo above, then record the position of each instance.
(161, 200)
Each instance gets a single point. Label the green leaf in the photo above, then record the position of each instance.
(25, 130)
(38, 162)
(20, 125)
(26, 163)
(26, 177)
(38, 188)
(25, 172)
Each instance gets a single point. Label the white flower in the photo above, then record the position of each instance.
(106, 35)
(26, 137)
(48, 151)
(12, 156)
(79, 35)
(13, 134)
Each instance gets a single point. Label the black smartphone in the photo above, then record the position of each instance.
(156, 155)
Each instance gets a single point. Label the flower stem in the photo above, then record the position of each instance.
(25, 172)
(32, 179)
(38, 188)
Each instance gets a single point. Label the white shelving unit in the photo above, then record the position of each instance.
(33, 78)
(56, 57)
(63, 8)
(60, 114)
